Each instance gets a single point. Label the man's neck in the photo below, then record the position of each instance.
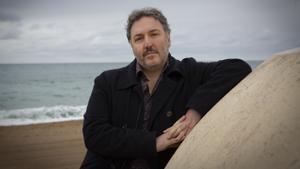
(152, 77)
(152, 74)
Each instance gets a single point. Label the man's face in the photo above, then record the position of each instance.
(150, 43)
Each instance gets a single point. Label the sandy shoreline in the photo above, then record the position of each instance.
(50, 145)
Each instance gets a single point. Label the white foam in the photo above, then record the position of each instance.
(41, 115)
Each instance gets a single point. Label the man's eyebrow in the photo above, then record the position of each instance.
(137, 35)
(154, 30)
(151, 31)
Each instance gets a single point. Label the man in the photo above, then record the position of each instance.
(139, 114)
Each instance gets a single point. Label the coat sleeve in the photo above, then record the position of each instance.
(104, 139)
(214, 80)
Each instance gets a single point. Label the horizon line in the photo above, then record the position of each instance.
(11, 63)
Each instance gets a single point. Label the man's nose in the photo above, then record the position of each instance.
(148, 42)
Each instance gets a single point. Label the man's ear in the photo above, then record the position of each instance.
(169, 39)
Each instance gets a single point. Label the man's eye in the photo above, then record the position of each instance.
(137, 39)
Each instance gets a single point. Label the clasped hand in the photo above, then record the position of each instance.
(174, 135)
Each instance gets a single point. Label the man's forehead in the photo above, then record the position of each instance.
(146, 24)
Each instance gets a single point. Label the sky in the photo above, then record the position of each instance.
(85, 31)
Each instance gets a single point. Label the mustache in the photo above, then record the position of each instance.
(149, 51)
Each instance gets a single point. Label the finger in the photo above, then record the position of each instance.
(189, 129)
(184, 133)
(182, 118)
(181, 125)
(180, 137)
(183, 128)
(167, 130)
(173, 142)
(173, 127)
(174, 132)
(175, 145)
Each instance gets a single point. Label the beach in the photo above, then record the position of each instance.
(34, 97)
(48, 146)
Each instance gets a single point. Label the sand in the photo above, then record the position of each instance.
(42, 146)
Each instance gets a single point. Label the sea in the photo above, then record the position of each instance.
(41, 93)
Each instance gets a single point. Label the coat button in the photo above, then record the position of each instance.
(124, 126)
(169, 114)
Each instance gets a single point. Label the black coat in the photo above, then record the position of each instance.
(113, 120)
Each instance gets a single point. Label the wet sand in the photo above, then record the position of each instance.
(56, 145)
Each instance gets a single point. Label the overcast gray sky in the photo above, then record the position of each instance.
(40, 31)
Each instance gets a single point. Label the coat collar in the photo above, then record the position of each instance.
(128, 76)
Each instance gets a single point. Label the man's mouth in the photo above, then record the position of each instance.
(149, 53)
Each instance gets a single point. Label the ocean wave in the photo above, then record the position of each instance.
(41, 115)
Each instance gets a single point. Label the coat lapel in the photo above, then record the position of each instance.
(161, 97)
(163, 94)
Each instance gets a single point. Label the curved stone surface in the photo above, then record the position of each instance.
(256, 125)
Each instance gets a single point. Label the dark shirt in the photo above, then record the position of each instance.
(147, 98)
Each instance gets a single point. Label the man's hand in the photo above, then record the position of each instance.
(184, 125)
(192, 118)
(163, 142)
(173, 136)
(179, 127)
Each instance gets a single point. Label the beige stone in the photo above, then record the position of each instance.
(255, 126)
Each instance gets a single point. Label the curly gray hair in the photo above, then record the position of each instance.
(146, 12)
